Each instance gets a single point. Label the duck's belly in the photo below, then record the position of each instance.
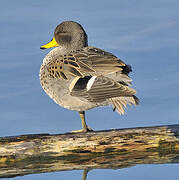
(58, 90)
(74, 103)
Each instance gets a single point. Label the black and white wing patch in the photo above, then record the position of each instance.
(99, 88)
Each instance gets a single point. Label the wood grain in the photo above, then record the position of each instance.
(118, 148)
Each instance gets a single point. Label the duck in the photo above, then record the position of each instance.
(81, 77)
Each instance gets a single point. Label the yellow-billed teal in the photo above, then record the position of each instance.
(80, 77)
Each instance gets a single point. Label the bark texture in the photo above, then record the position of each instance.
(118, 148)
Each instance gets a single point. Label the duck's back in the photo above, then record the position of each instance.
(76, 79)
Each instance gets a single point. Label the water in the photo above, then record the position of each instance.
(142, 33)
(137, 172)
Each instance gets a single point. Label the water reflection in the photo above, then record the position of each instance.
(85, 173)
(42, 164)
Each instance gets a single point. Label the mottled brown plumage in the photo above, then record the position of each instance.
(80, 77)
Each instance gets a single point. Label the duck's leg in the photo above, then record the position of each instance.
(85, 128)
(83, 122)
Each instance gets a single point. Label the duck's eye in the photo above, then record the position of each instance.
(65, 37)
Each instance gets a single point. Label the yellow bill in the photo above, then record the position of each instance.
(50, 44)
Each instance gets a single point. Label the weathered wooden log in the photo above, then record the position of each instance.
(26, 154)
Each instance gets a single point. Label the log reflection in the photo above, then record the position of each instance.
(109, 161)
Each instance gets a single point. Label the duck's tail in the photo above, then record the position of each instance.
(119, 103)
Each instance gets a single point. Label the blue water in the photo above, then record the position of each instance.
(147, 172)
(143, 33)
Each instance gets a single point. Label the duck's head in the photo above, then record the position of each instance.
(69, 35)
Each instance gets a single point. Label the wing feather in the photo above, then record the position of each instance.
(88, 61)
(102, 89)
(111, 82)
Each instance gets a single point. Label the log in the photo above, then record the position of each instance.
(117, 148)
